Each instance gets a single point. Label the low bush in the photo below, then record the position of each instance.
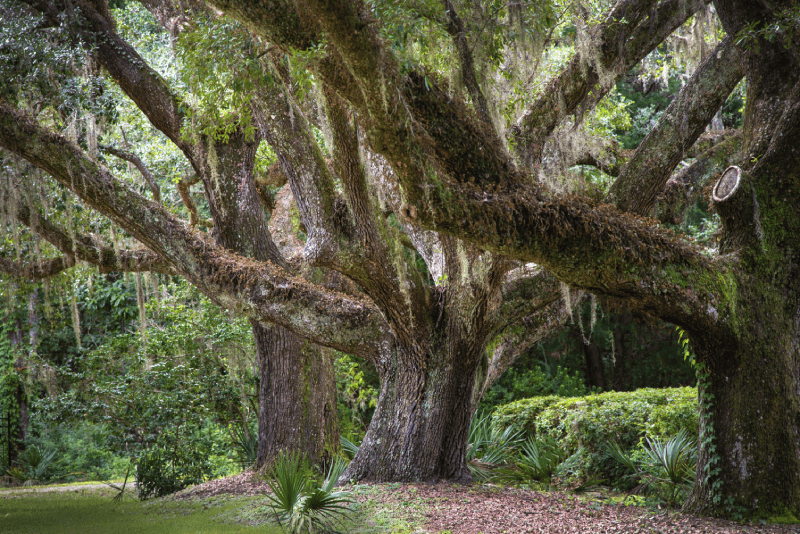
(586, 423)
(159, 472)
(539, 381)
(83, 450)
(301, 505)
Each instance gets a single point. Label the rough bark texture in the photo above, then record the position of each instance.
(226, 170)
(297, 406)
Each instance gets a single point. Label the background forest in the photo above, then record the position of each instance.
(105, 373)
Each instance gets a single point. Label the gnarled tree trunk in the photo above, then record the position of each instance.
(420, 427)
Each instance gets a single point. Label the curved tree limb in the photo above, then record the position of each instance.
(686, 185)
(186, 197)
(257, 290)
(133, 158)
(36, 270)
(455, 27)
(88, 248)
(630, 32)
(145, 86)
(681, 124)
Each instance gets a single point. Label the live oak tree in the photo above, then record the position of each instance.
(297, 398)
(418, 164)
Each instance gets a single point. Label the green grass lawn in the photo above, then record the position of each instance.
(93, 512)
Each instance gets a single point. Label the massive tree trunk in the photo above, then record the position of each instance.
(419, 429)
(297, 405)
(465, 203)
(749, 457)
(297, 393)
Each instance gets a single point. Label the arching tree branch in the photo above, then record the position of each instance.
(630, 32)
(257, 290)
(90, 248)
(678, 128)
(455, 27)
(37, 270)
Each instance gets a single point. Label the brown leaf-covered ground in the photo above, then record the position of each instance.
(456, 509)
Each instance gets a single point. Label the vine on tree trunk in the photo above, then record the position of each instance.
(710, 477)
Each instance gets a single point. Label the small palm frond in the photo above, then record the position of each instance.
(676, 458)
(350, 448)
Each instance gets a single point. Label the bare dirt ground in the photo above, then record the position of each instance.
(456, 509)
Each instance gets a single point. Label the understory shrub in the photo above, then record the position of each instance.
(585, 424)
(536, 382)
(83, 449)
(160, 473)
(300, 504)
(666, 468)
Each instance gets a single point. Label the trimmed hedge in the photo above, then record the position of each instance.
(591, 421)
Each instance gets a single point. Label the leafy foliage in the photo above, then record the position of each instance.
(302, 506)
(665, 467)
(357, 387)
(245, 440)
(488, 446)
(585, 423)
(539, 381)
(537, 461)
(160, 472)
(33, 465)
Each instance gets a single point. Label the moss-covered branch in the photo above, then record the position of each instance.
(145, 172)
(89, 248)
(37, 270)
(258, 290)
(681, 124)
(630, 32)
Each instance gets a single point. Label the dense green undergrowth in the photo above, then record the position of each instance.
(581, 440)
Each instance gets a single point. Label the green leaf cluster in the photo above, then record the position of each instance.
(586, 423)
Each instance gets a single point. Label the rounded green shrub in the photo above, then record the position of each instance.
(587, 423)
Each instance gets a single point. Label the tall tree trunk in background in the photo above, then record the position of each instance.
(297, 405)
(619, 376)
(21, 399)
(594, 363)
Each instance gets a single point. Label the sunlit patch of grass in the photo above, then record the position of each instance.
(93, 512)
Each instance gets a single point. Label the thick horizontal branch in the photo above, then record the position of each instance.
(91, 249)
(588, 246)
(257, 290)
(630, 32)
(37, 270)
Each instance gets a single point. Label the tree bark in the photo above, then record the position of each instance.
(420, 427)
(749, 456)
(594, 364)
(297, 405)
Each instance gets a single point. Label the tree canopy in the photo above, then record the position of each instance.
(429, 150)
